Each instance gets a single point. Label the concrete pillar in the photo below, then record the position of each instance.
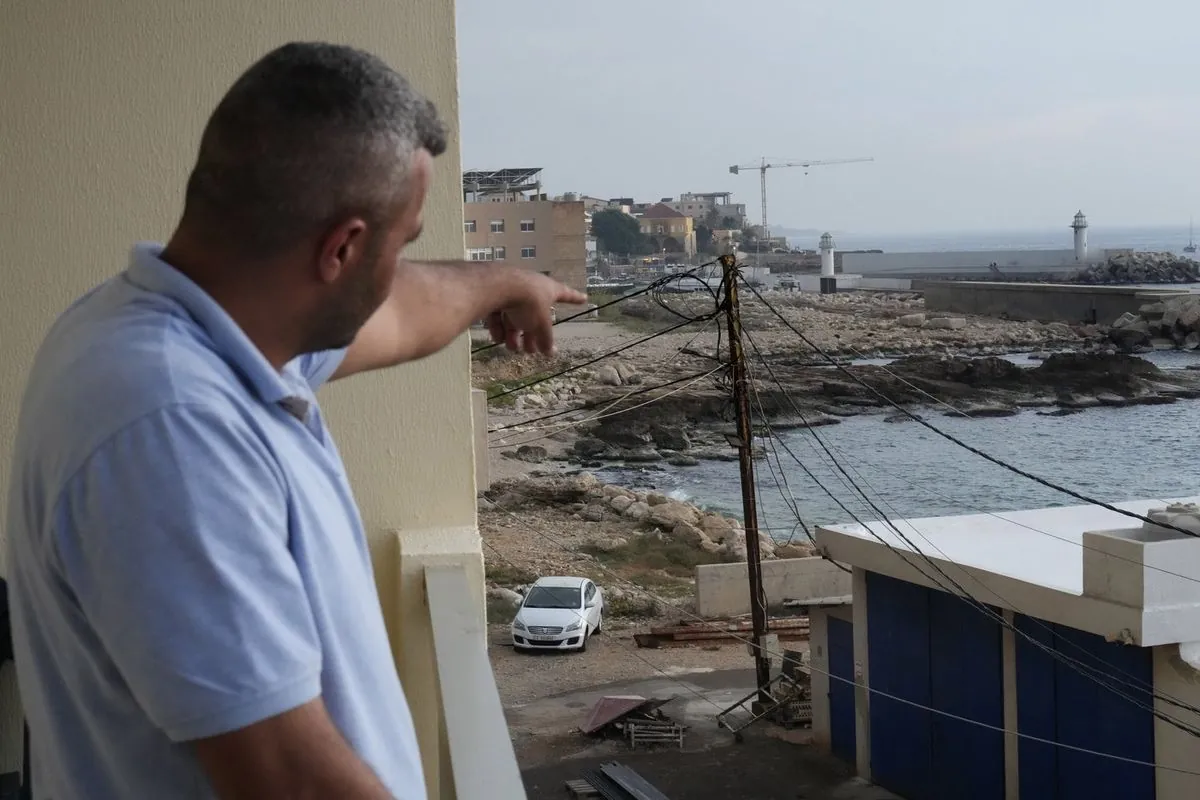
(479, 423)
(862, 676)
(1173, 747)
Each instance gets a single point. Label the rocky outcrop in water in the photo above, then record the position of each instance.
(1127, 268)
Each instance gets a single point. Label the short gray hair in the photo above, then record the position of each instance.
(308, 135)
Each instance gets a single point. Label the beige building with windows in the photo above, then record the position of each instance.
(669, 229)
(548, 236)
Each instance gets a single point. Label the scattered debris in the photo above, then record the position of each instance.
(634, 718)
(619, 782)
(790, 704)
(581, 789)
(786, 628)
(653, 731)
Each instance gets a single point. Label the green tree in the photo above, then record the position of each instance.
(704, 239)
(617, 232)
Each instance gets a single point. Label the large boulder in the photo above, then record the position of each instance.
(716, 527)
(620, 502)
(608, 375)
(505, 596)
(668, 515)
(1189, 315)
(912, 320)
(610, 544)
(637, 511)
(670, 437)
(689, 534)
(590, 447)
(946, 323)
(531, 453)
(594, 513)
(794, 550)
(1131, 335)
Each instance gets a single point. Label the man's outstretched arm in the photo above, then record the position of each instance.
(431, 303)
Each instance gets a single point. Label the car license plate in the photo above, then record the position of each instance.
(537, 638)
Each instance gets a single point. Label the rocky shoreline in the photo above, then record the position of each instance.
(683, 428)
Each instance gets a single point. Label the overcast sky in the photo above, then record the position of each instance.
(980, 115)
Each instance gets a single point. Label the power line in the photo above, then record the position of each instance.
(595, 405)
(654, 286)
(809, 666)
(602, 415)
(951, 438)
(605, 403)
(522, 387)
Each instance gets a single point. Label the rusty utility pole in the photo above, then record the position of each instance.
(745, 445)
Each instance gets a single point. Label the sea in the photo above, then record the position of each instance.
(906, 471)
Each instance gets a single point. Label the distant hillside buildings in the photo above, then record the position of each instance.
(507, 217)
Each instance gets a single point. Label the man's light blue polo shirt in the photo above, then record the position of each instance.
(185, 556)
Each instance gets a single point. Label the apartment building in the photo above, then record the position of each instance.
(699, 205)
(505, 219)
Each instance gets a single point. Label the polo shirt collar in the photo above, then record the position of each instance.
(150, 272)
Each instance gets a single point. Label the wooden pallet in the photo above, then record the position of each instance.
(581, 789)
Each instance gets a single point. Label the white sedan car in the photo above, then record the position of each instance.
(558, 614)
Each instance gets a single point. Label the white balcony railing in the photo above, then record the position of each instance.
(440, 641)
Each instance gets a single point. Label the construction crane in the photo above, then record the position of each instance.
(764, 165)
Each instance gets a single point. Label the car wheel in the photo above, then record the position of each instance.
(583, 644)
(599, 624)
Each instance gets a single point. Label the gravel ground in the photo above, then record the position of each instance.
(611, 657)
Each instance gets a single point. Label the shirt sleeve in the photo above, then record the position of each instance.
(319, 367)
(174, 540)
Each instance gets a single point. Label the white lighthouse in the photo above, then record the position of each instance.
(828, 281)
(826, 255)
(1080, 228)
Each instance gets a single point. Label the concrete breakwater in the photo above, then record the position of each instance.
(1097, 305)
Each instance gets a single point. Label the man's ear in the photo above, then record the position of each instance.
(342, 246)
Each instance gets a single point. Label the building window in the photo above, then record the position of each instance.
(479, 254)
(469, 226)
(499, 253)
(528, 252)
(527, 226)
(497, 226)
(659, 228)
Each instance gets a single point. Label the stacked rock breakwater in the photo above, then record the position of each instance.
(1162, 325)
(1132, 268)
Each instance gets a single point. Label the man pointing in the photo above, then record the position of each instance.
(193, 606)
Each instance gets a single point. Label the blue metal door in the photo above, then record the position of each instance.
(967, 680)
(898, 642)
(1058, 702)
(1093, 717)
(1036, 712)
(840, 642)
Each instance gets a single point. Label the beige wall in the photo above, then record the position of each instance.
(723, 590)
(559, 236)
(1175, 678)
(103, 107)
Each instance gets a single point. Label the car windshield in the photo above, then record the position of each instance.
(554, 597)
